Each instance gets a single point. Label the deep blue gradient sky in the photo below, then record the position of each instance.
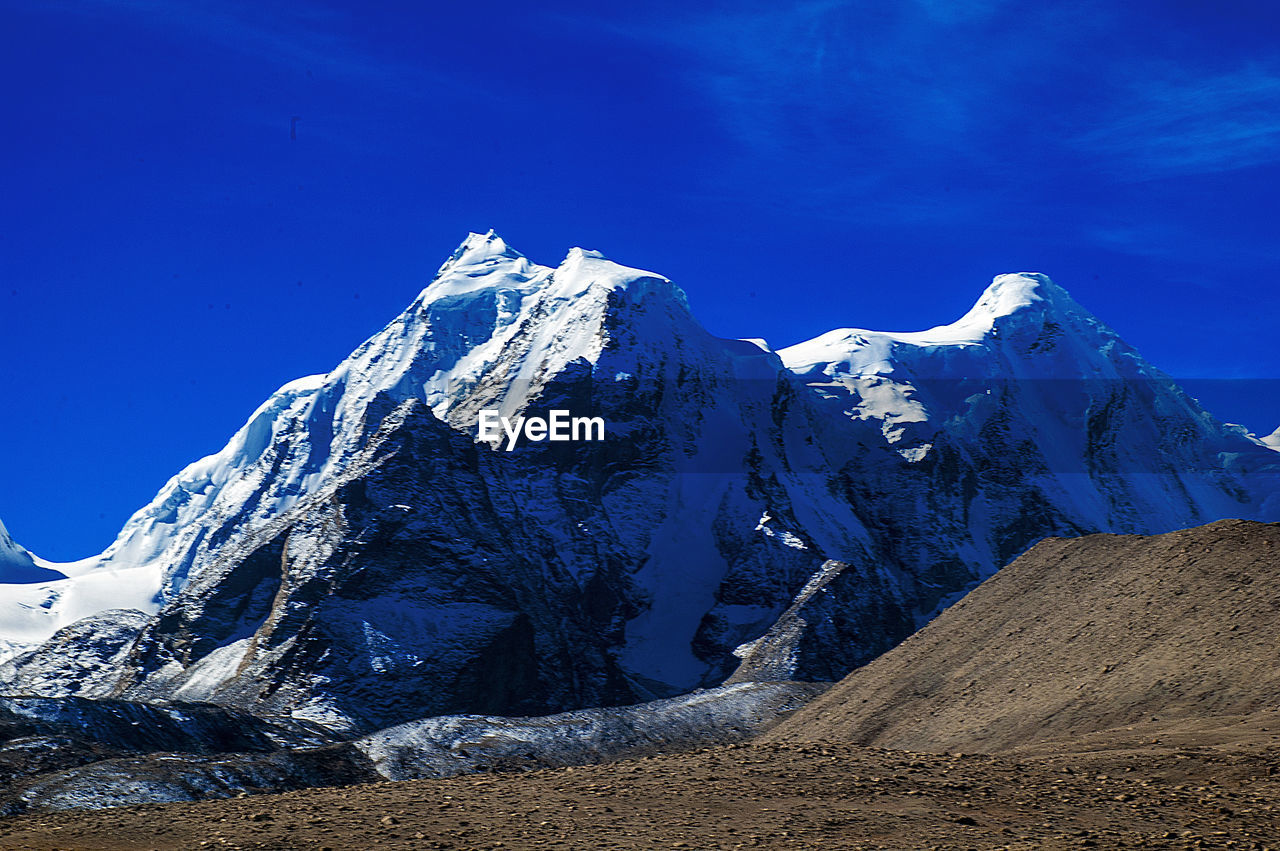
(169, 256)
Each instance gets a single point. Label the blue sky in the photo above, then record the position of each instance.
(169, 255)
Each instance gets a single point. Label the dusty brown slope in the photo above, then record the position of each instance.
(1077, 636)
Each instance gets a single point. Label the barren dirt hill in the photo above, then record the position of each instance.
(1076, 636)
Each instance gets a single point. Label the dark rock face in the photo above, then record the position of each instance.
(84, 658)
(70, 752)
(140, 727)
(420, 584)
(410, 588)
(170, 777)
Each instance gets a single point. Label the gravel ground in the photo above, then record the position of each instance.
(1122, 791)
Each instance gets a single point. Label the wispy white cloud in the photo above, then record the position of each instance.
(835, 72)
(1169, 122)
(301, 36)
(1144, 233)
(969, 84)
(858, 103)
(1144, 238)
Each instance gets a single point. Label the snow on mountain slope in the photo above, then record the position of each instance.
(1093, 419)
(29, 579)
(862, 351)
(17, 565)
(452, 343)
(1273, 440)
(26, 578)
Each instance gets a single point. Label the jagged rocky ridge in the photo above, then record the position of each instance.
(355, 557)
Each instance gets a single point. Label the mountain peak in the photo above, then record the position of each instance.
(17, 565)
(482, 262)
(9, 549)
(578, 253)
(1030, 294)
(1009, 293)
(478, 248)
(583, 269)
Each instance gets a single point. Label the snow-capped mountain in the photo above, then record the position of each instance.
(1027, 414)
(453, 337)
(355, 555)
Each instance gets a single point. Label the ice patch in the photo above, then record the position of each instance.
(787, 538)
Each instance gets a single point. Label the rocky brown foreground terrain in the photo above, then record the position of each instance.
(1209, 785)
